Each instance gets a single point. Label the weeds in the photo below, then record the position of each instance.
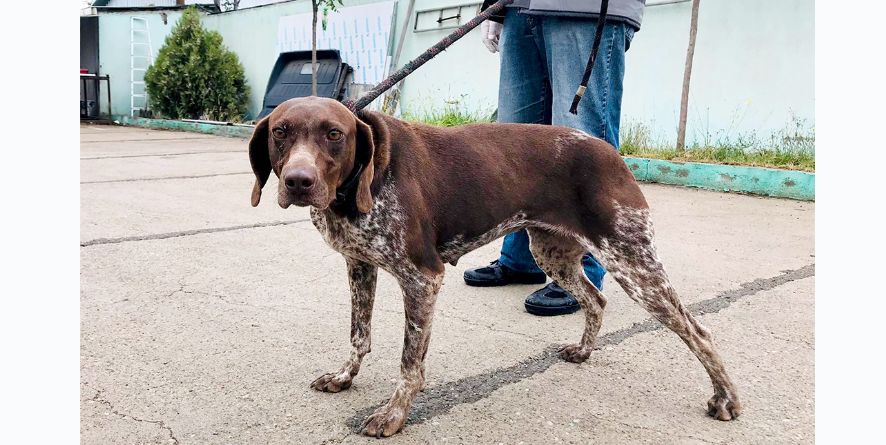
(790, 148)
(731, 155)
(450, 116)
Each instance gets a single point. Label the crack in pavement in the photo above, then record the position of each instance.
(440, 399)
(158, 236)
(163, 178)
(160, 423)
(646, 428)
(808, 344)
(490, 326)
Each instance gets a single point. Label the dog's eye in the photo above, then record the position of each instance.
(279, 133)
(334, 135)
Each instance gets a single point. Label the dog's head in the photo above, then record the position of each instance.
(312, 144)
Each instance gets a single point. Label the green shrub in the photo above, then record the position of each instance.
(195, 76)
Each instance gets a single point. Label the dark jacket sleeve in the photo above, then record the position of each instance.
(500, 17)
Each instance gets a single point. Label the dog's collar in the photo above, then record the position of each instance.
(342, 193)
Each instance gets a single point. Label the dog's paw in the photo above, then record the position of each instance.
(332, 382)
(724, 408)
(574, 353)
(384, 422)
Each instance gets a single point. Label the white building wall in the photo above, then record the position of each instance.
(753, 70)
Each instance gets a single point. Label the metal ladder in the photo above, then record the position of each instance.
(140, 58)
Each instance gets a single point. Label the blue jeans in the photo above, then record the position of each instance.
(542, 61)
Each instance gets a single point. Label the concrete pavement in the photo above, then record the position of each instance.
(203, 320)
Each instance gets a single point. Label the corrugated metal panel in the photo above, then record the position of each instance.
(150, 3)
(139, 3)
(253, 3)
(169, 3)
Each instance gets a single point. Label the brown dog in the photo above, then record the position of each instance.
(408, 198)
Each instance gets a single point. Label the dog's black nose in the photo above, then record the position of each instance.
(299, 180)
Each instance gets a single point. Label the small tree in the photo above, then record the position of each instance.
(328, 5)
(195, 76)
(687, 74)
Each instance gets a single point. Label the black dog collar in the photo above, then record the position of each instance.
(342, 193)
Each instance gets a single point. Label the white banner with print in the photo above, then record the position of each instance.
(361, 34)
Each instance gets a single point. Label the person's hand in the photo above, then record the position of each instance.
(490, 32)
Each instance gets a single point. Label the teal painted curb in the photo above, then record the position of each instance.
(726, 178)
(230, 130)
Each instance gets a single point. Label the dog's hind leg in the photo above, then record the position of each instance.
(628, 253)
(362, 277)
(560, 257)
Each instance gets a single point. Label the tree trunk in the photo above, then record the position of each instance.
(687, 74)
(392, 99)
(314, 50)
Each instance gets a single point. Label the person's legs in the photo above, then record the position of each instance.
(568, 46)
(537, 84)
(524, 96)
(524, 92)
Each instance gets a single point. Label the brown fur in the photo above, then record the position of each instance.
(428, 195)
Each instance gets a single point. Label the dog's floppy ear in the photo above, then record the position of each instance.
(259, 158)
(366, 154)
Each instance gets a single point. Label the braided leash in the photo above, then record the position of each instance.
(598, 35)
(413, 64)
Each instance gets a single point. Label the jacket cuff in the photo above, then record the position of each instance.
(500, 17)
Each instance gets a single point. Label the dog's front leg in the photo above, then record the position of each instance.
(420, 294)
(362, 277)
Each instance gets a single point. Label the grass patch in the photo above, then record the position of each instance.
(447, 117)
(792, 149)
(775, 158)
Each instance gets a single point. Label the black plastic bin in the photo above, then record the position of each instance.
(291, 77)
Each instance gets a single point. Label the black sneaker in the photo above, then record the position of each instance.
(551, 300)
(496, 274)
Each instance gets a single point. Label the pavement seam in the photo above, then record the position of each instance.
(160, 155)
(440, 315)
(163, 178)
(440, 399)
(113, 410)
(149, 139)
(160, 236)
